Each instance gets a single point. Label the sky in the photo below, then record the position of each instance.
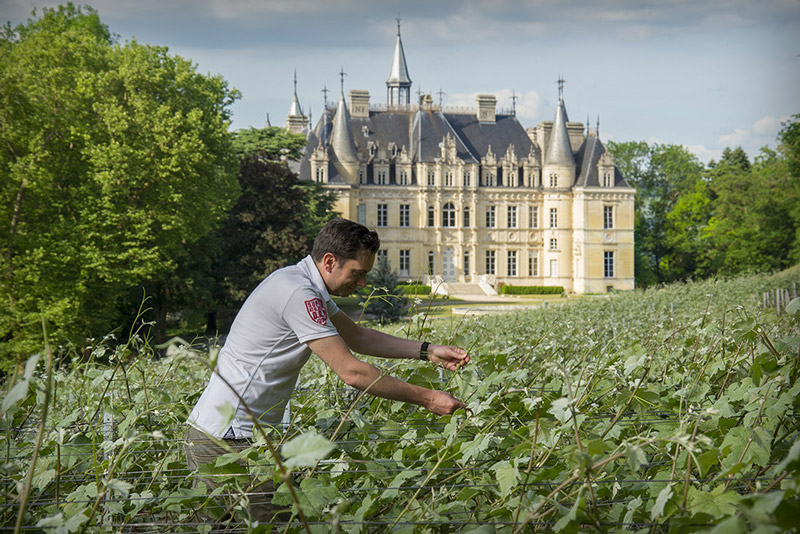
(706, 74)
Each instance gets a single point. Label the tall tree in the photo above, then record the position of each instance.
(273, 223)
(752, 227)
(113, 158)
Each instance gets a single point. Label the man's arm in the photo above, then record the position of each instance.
(361, 375)
(374, 343)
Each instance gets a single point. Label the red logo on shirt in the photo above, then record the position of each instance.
(316, 310)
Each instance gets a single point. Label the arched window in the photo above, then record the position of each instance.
(449, 215)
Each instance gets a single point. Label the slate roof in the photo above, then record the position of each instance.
(421, 132)
(478, 136)
(586, 158)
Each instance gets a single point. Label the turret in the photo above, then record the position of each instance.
(398, 85)
(344, 150)
(559, 164)
(296, 122)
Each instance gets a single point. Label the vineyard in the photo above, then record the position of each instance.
(667, 410)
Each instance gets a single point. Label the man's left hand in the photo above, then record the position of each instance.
(448, 356)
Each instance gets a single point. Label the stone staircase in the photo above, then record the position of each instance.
(456, 289)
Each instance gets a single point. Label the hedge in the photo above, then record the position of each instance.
(530, 290)
(416, 289)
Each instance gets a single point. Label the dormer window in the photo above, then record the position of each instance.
(365, 130)
(371, 149)
(553, 179)
(607, 178)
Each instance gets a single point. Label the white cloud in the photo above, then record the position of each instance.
(703, 153)
(768, 126)
(739, 137)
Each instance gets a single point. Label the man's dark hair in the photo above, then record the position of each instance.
(345, 239)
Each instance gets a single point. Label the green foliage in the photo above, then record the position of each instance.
(273, 224)
(268, 143)
(508, 289)
(660, 409)
(113, 158)
(383, 297)
(413, 288)
(733, 216)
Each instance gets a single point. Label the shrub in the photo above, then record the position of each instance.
(507, 289)
(412, 288)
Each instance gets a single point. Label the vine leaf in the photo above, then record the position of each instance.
(507, 476)
(306, 449)
(661, 501)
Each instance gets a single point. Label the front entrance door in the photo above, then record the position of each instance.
(449, 265)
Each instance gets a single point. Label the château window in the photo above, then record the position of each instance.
(553, 268)
(448, 178)
(533, 216)
(431, 216)
(361, 179)
(320, 174)
(533, 264)
(553, 244)
(382, 254)
(512, 216)
(490, 216)
(403, 177)
(608, 264)
(490, 262)
(607, 179)
(512, 263)
(362, 214)
(431, 263)
(405, 262)
(405, 215)
(608, 217)
(466, 263)
(553, 179)
(466, 179)
(431, 178)
(553, 217)
(449, 215)
(383, 215)
(467, 221)
(490, 179)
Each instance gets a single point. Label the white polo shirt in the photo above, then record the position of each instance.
(266, 349)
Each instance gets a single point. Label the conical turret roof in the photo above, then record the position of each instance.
(398, 75)
(294, 108)
(559, 150)
(342, 136)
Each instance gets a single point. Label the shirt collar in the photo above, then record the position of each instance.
(308, 266)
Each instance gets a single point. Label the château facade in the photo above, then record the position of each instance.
(469, 196)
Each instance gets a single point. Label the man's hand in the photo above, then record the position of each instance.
(449, 357)
(442, 403)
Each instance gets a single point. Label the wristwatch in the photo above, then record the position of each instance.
(423, 351)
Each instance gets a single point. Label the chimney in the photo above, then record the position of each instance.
(486, 108)
(359, 103)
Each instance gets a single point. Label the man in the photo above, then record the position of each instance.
(286, 318)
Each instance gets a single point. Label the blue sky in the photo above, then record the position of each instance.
(701, 73)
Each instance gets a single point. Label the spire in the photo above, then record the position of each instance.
(559, 150)
(346, 158)
(267, 124)
(294, 109)
(398, 85)
(296, 122)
